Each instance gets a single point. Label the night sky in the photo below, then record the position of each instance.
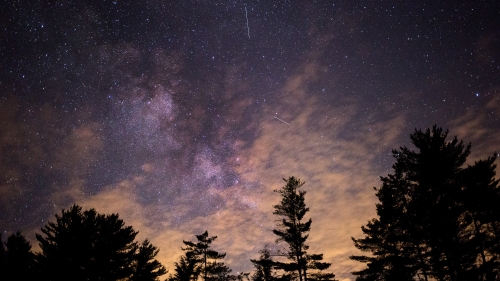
(184, 116)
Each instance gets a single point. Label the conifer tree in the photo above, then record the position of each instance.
(2, 254)
(187, 269)
(436, 219)
(264, 267)
(204, 260)
(293, 229)
(480, 199)
(19, 261)
(86, 245)
(146, 267)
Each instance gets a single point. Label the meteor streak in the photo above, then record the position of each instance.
(248, 28)
(282, 121)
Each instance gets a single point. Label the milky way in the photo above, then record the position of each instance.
(183, 116)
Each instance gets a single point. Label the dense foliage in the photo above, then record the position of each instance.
(201, 261)
(17, 262)
(264, 268)
(437, 220)
(81, 245)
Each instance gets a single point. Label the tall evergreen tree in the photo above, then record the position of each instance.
(2, 255)
(87, 245)
(90, 246)
(293, 230)
(203, 260)
(264, 267)
(187, 269)
(19, 261)
(146, 267)
(480, 198)
(430, 214)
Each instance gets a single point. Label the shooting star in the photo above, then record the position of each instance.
(248, 28)
(282, 121)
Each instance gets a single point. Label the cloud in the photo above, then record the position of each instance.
(79, 151)
(339, 164)
(475, 126)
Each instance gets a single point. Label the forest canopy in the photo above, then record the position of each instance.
(83, 245)
(437, 218)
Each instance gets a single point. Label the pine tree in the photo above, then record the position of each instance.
(19, 261)
(435, 218)
(87, 245)
(146, 267)
(2, 255)
(292, 229)
(186, 269)
(480, 198)
(203, 260)
(264, 267)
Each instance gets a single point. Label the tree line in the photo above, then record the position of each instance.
(436, 220)
(86, 245)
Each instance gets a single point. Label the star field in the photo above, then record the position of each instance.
(184, 116)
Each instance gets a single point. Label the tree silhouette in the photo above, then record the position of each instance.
(480, 199)
(90, 246)
(2, 255)
(315, 262)
(17, 260)
(434, 217)
(264, 267)
(146, 267)
(242, 276)
(201, 261)
(187, 269)
(293, 231)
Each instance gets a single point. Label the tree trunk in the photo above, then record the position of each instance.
(422, 262)
(476, 228)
